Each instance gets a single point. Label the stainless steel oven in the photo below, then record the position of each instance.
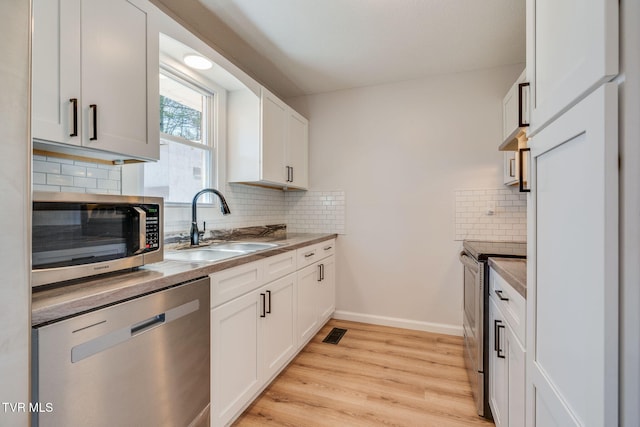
(79, 235)
(473, 329)
(474, 259)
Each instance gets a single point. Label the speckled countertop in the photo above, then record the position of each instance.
(513, 270)
(53, 303)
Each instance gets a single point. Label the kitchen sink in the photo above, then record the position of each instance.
(217, 251)
(240, 246)
(205, 254)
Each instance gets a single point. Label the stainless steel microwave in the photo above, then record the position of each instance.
(78, 235)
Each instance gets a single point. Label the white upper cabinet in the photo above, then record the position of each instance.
(515, 110)
(268, 142)
(56, 82)
(274, 133)
(572, 48)
(95, 77)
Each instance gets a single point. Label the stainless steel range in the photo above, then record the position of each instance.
(474, 258)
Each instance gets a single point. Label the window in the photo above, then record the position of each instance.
(186, 142)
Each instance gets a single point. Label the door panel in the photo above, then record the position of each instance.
(573, 45)
(572, 303)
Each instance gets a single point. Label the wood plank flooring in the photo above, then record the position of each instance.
(376, 375)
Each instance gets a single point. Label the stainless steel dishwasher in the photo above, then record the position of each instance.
(142, 362)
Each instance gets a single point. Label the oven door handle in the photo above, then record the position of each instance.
(142, 230)
(469, 262)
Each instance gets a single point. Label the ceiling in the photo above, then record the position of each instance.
(299, 47)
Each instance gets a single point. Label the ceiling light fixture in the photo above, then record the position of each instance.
(198, 62)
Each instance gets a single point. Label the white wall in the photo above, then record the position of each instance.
(399, 151)
(15, 220)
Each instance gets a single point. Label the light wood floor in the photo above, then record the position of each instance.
(376, 375)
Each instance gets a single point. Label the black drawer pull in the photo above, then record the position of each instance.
(499, 293)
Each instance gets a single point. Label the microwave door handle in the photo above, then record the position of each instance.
(142, 230)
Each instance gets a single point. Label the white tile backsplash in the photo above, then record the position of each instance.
(508, 223)
(316, 211)
(58, 174)
(302, 211)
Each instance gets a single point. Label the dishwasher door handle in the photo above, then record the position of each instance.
(145, 325)
(119, 336)
(469, 262)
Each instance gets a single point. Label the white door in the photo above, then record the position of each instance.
(498, 366)
(516, 367)
(278, 335)
(235, 356)
(327, 289)
(114, 77)
(298, 147)
(273, 138)
(56, 71)
(307, 317)
(572, 287)
(573, 47)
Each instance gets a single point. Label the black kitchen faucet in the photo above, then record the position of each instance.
(195, 236)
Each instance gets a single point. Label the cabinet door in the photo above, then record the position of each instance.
(298, 148)
(572, 48)
(327, 289)
(274, 113)
(498, 366)
(56, 71)
(307, 317)
(516, 366)
(572, 294)
(510, 168)
(513, 109)
(117, 71)
(278, 334)
(235, 356)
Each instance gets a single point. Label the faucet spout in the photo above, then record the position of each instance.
(195, 233)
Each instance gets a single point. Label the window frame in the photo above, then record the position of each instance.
(215, 115)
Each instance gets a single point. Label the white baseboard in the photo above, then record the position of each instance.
(438, 328)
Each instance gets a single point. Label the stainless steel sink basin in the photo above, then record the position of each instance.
(244, 247)
(218, 251)
(208, 255)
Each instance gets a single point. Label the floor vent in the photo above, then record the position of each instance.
(335, 336)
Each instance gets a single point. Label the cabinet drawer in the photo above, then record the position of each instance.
(279, 266)
(510, 302)
(327, 248)
(312, 253)
(233, 282)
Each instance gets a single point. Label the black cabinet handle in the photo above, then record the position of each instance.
(326, 248)
(521, 174)
(74, 103)
(319, 272)
(264, 308)
(310, 254)
(499, 293)
(94, 107)
(269, 293)
(521, 122)
(497, 325)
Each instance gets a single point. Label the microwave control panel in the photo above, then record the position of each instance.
(153, 227)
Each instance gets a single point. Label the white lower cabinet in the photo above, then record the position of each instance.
(256, 310)
(507, 354)
(235, 352)
(277, 326)
(316, 297)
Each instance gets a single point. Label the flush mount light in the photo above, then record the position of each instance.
(198, 62)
